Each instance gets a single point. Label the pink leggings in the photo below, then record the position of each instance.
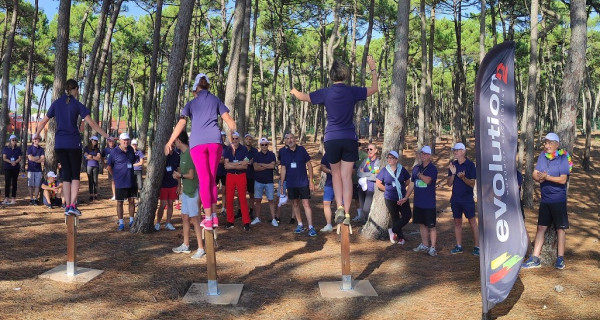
(206, 159)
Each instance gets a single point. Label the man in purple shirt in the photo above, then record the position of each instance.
(35, 158)
(264, 165)
(11, 157)
(295, 163)
(461, 176)
(120, 165)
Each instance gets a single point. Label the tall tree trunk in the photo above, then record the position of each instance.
(6, 63)
(434, 133)
(335, 34)
(234, 57)
(377, 224)
(149, 94)
(80, 57)
(252, 59)
(363, 65)
(100, 29)
(422, 121)
(106, 116)
(29, 87)
(482, 31)
(243, 72)
(588, 123)
(144, 221)
(273, 98)
(353, 45)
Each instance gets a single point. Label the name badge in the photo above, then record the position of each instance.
(12, 159)
(236, 161)
(169, 169)
(394, 184)
(129, 166)
(420, 183)
(293, 165)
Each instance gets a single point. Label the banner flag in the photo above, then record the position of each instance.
(502, 234)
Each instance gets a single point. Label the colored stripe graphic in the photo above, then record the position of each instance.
(496, 263)
(507, 265)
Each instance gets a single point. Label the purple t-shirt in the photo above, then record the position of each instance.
(67, 122)
(170, 166)
(106, 152)
(264, 176)
(138, 155)
(374, 168)
(240, 154)
(250, 171)
(339, 101)
(36, 152)
(204, 111)
(93, 153)
(553, 192)
(424, 193)
(295, 166)
(12, 155)
(122, 167)
(328, 180)
(391, 193)
(461, 192)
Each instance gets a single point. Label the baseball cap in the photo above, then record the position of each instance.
(124, 136)
(263, 140)
(223, 133)
(35, 137)
(134, 141)
(197, 80)
(426, 149)
(459, 146)
(248, 135)
(111, 139)
(552, 137)
(235, 133)
(12, 136)
(394, 153)
(51, 174)
(94, 138)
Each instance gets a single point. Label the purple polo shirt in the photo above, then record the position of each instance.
(553, 192)
(339, 101)
(36, 152)
(91, 163)
(461, 192)
(241, 153)
(12, 155)
(122, 167)
(388, 181)
(170, 166)
(295, 166)
(424, 193)
(204, 111)
(264, 176)
(138, 155)
(250, 171)
(106, 152)
(328, 180)
(67, 122)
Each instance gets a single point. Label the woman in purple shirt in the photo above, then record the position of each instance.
(67, 140)
(92, 156)
(11, 157)
(341, 144)
(205, 141)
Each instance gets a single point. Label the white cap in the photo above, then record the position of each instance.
(394, 153)
(12, 136)
(223, 133)
(426, 149)
(248, 135)
(124, 136)
(197, 80)
(134, 141)
(552, 137)
(51, 174)
(263, 140)
(35, 136)
(94, 138)
(235, 133)
(459, 146)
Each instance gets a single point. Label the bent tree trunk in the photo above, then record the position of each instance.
(378, 220)
(6, 73)
(144, 219)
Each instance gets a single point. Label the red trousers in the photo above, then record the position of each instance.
(233, 182)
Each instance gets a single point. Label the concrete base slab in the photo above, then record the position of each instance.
(333, 289)
(228, 294)
(83, 275)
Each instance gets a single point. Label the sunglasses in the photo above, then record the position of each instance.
(263, 145)
(392, 157)
(370, 149)
(235, 138)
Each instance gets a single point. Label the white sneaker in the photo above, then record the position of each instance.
(327, 228)
(432, 252)
(113, 198)
(421, 248)
(169, 226)
(255, 221)
(199, 254)
(182, 249)
(157, 226)
(274, 223)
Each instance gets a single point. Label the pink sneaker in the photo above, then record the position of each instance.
(215, 220)
(401, 241)
(207, 224)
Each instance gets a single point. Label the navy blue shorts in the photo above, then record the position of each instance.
(458, 208)
(553, 213)
(341, 149)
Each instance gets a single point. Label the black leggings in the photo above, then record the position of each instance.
(10, 179)
(400, 215)
(92, 173)
(70, 160)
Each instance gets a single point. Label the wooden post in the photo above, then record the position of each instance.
(71, 245)
(211, 262)
(346, 275)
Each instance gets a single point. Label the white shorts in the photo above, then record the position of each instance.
(34, 179)
(189, 205)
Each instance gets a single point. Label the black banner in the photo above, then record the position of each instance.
(502, 234)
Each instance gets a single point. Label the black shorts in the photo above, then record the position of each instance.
(355, 191)
(341, 149)
(221, 179)
(424, 216)
(298, 193)
(553, 213)
(70, 161)
(125, 193)
(250, 187)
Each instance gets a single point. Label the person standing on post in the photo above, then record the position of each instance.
(92, 156)
(424, 177)
(138, 166)
(264, 165)
(11, 157)
(35, 158)
(295, 163)
(67, 110)
(105, 155)
(341, 142)
(205, 142)
(462, 178)
(120, 165)
(552, 172)
(236, 164)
